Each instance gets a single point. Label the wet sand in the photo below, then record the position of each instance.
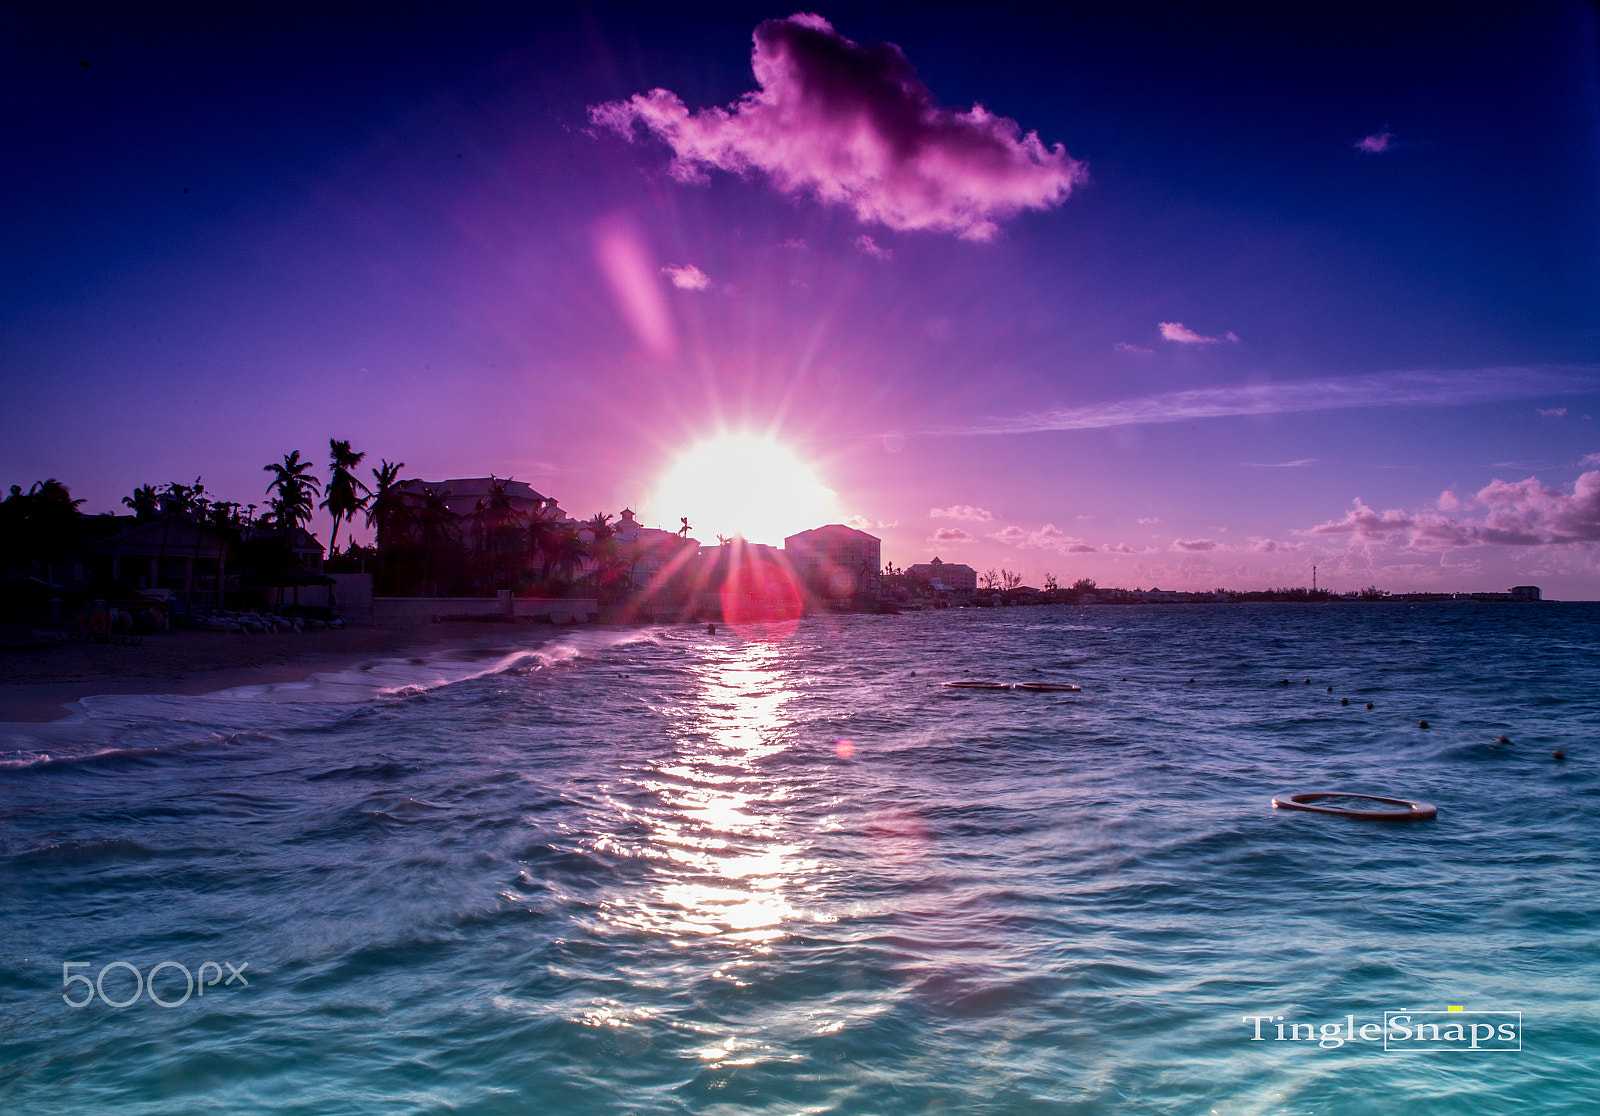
(36, 683)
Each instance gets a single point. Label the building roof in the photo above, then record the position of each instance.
(831, 529)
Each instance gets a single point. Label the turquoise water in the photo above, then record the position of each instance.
(640, 872)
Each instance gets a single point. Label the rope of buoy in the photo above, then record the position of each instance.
(1414, 811)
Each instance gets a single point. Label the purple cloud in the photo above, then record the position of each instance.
(1195, 545)
(687, 277)
(1590, 459)
(1553, 412)
(1375, 144)
(855, 126)
(1138, 350)
(871, 247)
(1048, 537)
(962, 511)
(1183, 335)
(951, 535)
(1516, 513)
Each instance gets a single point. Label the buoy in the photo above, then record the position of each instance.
(1502, 740)
(1285, 682)
(1191, 679)
(1414, 811)
(711, 629)
(913, 674)
(1422, 724)
(1048, 687)
(1558, 755)
(1330, 689)
(1369, 705)
(1344, 701)
(1308, 681)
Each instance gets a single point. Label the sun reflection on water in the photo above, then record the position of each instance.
(714, 823)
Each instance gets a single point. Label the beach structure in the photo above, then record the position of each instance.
(836, 562)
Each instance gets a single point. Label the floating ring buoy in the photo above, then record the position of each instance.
(979, 685)
(1414, 811)
(1048, 687)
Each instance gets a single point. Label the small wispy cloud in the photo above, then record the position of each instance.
(1298, 463)
(1375, 144)
(1389, 390)
(1271, 546)
(951, 535)
(962, 511)
(1127, 347)
(1149, 519)
(871, 247)
(1183, 335)
(687, 277)
(1553, 412)
(1590, 459)
(1197, 546)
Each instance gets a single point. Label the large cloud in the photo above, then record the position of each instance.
(855, 126)
(1514, 513)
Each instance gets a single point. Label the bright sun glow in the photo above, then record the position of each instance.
(743, 484)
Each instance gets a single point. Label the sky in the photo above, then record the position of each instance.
(1166, 295)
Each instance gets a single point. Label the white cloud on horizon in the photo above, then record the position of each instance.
(855, 126)
(1515, 513)
(1200, 546)
(1299, 463)
(1048, 537)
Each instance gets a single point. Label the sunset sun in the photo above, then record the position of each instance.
(744, 484)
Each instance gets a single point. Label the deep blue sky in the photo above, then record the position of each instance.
(231, 235)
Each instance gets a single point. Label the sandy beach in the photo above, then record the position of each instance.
(35, 684)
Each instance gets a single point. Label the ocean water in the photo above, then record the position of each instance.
(664, 871)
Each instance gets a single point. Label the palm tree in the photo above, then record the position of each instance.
(38, 526)
(346, 495)
(297, 492)
(177, 502)
(387, 511)
(543, 530)
(568, 550)
(434, 520)
(144, 503)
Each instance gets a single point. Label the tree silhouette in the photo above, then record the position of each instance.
(346, 495)
(144, 502)
(296, 491)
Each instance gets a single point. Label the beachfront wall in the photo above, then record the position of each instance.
(557, 610)
(352, 595)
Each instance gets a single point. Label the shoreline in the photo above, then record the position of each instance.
(36, 685)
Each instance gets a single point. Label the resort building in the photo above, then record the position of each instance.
(651, 553)
(953, 575)
(835, 561)
(468, 497)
